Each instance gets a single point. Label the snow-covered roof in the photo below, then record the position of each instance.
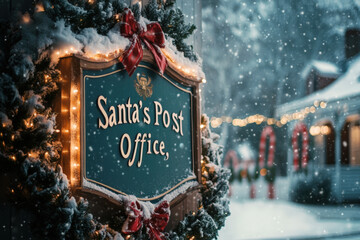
(346, 86)
(324, 68)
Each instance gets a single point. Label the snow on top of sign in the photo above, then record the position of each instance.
(347, 85)
(147, 207)
(42, 33)
(88, 42)
(107, 192)
(324, 68)
(56, 39)
(119, 197)
(182, 189)
(95, 43)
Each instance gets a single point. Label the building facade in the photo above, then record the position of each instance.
(331, 115)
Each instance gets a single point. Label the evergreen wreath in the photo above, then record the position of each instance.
(215, 205)
(29, 146)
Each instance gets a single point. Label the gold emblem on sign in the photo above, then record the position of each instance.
(143, 86)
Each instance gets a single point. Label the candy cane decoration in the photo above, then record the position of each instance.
(267, 131)
(300, 128)
(231, 155)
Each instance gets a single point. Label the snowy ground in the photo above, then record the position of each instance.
(274, 219)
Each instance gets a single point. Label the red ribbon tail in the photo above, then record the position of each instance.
(158, 221)
(154, 233)
(159, 57)
(133, 223)
(132, 56)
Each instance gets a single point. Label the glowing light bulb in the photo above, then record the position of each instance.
(39, 8)
(26, 18)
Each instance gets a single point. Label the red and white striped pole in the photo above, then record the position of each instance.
(231, 156)
(300, 128)
(268, 132)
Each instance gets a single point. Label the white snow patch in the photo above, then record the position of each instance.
(95, 43)
(326, 67)
(90, 185)
(264, 219)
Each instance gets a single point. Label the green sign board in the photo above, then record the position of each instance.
(137, 131)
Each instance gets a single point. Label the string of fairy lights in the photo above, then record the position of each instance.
(187, 69)
(216, 122)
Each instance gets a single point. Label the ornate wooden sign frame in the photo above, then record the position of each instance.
(70, 104)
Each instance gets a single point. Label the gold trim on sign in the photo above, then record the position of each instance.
(83, 119)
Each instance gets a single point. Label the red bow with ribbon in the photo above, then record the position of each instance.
(153, 37)
(154, 226)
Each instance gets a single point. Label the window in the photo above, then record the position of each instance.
(350, 142)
